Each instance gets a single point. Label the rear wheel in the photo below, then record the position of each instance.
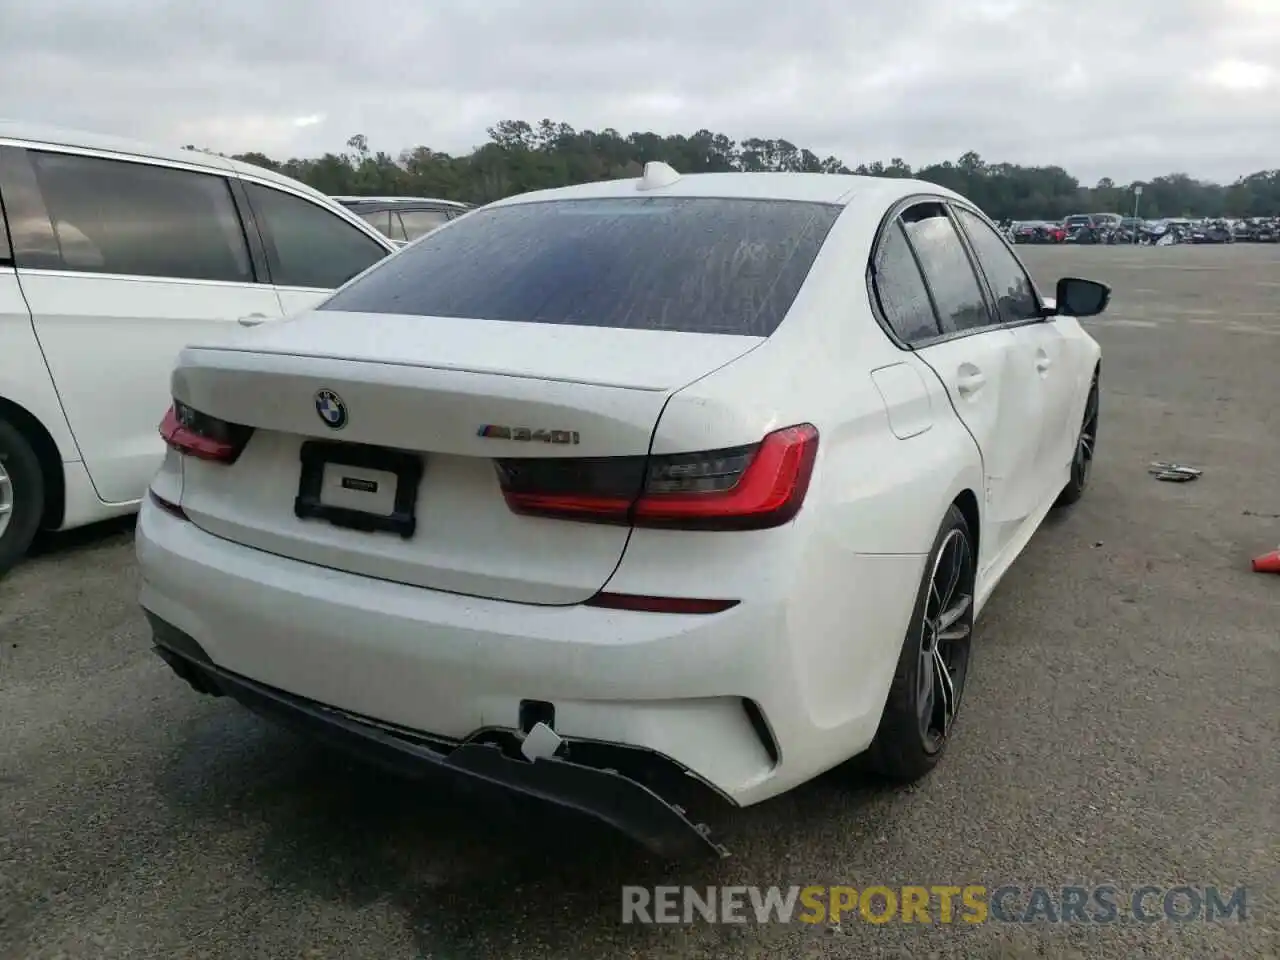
(1082, 461)
(928, 684)
(21, 495)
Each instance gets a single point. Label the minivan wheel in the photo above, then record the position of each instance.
(21, 495)
(929, 681)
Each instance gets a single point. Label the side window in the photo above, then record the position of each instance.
(418, 223)
(947, 269)
(380, 220)
(6, 251)
(397, 228)
(1015, 296)
(904, 300)
(115, 216)
(307, 245)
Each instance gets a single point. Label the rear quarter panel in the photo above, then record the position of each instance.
(875, 493)
(846, 570)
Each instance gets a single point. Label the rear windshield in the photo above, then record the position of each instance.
(696, 265)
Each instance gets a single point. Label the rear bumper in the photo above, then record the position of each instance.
(754, 700)
(619, 785)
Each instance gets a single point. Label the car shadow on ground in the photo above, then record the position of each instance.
(469, 870)
(55, 544)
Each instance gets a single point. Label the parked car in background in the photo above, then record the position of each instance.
(1165, 232)
(1262, 230)
(405, 219)
(1087, 228)
(1037, 231)
(640, 496)
(1212, 231)
(121, 254)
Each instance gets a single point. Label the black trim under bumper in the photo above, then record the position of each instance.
(628, 803)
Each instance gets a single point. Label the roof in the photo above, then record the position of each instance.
(39, 133)
(835, 188)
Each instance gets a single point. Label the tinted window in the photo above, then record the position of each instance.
(693, 264)
(1015, 296)
(112, 216)
(307, 245)
(418, 223)
(947, 269)
(901, 290)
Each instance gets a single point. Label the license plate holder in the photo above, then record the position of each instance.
(319, 456)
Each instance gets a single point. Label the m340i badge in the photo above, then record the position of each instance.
(496, 431)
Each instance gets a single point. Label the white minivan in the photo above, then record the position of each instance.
(113, 256)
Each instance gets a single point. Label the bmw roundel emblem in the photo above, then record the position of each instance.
(331, 409)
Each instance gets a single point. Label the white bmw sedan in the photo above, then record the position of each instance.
(641, 497)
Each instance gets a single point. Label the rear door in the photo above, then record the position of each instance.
(123, 262)
(1044, 349)
(311, 251)
(976, 360)
(24, 378)
(540, 340)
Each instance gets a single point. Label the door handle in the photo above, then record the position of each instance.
(252, 320)
(1043, 363)
(970, 381)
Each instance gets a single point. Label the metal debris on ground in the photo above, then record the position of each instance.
(1173, 472)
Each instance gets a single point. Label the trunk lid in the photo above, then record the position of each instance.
(607, 356)
(428, 386)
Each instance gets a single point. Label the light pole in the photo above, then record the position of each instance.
(1137, 195)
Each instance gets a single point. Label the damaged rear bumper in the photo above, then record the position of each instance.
(643, 794)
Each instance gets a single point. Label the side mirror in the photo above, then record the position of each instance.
(1081, 298)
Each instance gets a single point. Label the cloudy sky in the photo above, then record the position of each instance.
(1121, 88)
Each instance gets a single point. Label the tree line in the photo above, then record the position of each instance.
(521, 156)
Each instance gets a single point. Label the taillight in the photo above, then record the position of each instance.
(751, 487)
(196, 434)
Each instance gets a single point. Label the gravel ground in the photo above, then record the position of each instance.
(1121, 726)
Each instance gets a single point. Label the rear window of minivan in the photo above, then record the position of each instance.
(687, 264)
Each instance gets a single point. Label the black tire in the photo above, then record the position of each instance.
(905, 748)
(1086, 445)
(24, 497)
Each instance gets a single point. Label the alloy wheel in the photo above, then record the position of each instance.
(1083, 459)
(6, 499)
(945, 637)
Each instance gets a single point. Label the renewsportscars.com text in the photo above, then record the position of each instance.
(972, 903)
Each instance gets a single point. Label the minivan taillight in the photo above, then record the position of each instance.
(751, 487)
(196, 434)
